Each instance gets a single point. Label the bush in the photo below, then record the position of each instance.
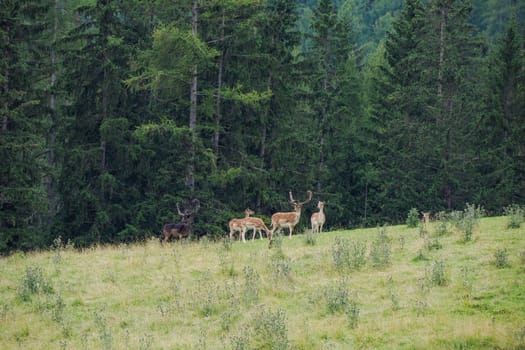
(412, 218)
(502, 258)
(516, 215)
(438, 274)
(33, 282)
(381, 249)
(470, 220)
(341, 253)
(270, 329)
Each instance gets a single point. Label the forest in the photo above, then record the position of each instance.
(113, 112)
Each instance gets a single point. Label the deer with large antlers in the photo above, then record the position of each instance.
(237, 225)
(318, 219)
(288, 219)
(185, 227)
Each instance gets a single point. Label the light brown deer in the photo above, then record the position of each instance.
(288, 219)
(318, 219)
(426, 217)
(185, 227)
(257, 225)
(237, 225)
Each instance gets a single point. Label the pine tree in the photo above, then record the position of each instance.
(23, 68)
(501, 133)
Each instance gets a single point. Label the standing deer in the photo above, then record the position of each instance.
(426, 217)
(318, 219)
(288, 219)
(257, 225)
(185, 227)
(237, 225)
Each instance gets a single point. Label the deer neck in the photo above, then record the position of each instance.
(297, 214)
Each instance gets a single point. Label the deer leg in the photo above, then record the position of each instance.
(243, 233)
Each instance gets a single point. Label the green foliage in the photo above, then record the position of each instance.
(33, 282)
(270, 329)
(501, 257)
(381, 249)
(337, 297)
(515, 214)
(437, 275)
(367, 103)
(412, 218)
(469, 220)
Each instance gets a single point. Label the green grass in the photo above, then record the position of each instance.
(193, 295)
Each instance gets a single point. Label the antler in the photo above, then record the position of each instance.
(310, 194)
(178, 210)
(291, 198)
(293, 201)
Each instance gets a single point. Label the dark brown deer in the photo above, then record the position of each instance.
(184, 228)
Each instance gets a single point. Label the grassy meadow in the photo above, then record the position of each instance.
(429, 287)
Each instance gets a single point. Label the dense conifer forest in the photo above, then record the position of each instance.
(113, 112)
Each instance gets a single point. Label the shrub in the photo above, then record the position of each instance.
(341, 253)
(501, 257)
(515, 214)
(412, 218)
(270, 330)
(337, 297)
(470, 220)
(443, 223)
(438, 274)
(251, 285)
(358, 257)
(381, 249)
(310, 238)
(352, 314)
(33, 282)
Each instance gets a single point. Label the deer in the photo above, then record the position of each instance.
(288, 219)
(318, 219)
(184, 228)
(426, 217)
(238, 225)
(257, 225)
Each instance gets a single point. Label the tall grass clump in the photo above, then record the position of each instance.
(381, 249)
(33, 282)
(437, 273)
(501, 258)
(348, 254)
(337, 297)
(443, 223)
(251, 285)
(467, 285)
(270, 329)
(412, 219)
(310, 238)
(515, 215)
(341, 253)
(470, 220)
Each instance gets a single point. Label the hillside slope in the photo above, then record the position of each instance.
(385, 288)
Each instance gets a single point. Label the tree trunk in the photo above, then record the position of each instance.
(442, 26)
(49, 180)
(218, 114)
(190, 170)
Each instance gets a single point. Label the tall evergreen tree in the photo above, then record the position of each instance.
(502, 151)
(336, 106)
(23, 70)
(97, 133)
